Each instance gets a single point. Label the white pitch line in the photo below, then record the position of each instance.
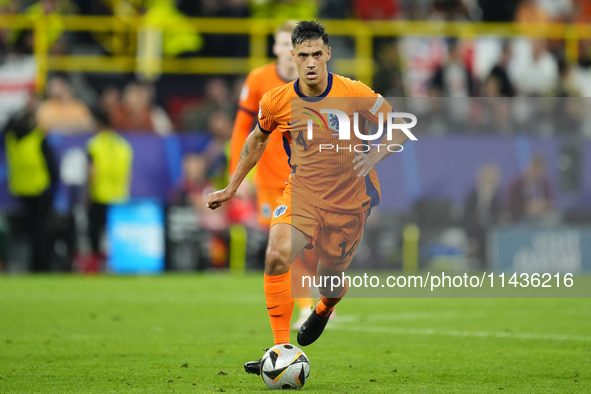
(404, 316)
(454, 333)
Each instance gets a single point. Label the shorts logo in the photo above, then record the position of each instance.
(280, 210)
(266, 211)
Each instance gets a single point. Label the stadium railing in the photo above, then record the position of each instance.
(258, 30)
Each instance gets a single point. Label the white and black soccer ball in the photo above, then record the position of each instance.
(285, 367)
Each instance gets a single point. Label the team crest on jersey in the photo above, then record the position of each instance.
(333, 122)
(266, 211)
(280, 210)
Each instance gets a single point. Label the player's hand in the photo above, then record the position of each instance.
(216, 199)
(364, 163)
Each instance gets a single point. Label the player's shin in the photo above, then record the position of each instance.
(300, 269)
(326, 305)
(279, 305)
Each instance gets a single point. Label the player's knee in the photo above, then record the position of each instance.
(277, 260)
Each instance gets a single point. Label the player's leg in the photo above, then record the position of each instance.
(304, 265)
(336, 244)
(330, 296)
(267, 203)
(285, 242)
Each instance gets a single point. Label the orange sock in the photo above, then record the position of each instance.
(326, 305)
(279, 305)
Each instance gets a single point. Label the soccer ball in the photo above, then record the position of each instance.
(285, 367)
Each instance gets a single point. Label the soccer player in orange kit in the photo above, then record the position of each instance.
(272, 170)
(334, 189)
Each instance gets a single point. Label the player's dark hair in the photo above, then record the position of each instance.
(308, 30)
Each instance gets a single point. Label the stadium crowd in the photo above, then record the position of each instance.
(439, 72)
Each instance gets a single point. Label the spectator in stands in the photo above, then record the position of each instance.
(530, 11)
(494, 114)
(109, 179)
(133, 112)
(566, 86)
(17, 78)
(582, 71)
(388, 77)
(109, 100)
(220, 128)
(530, 195)
(499, 72)
(533, 71)
(162, 123)
(32, 178)
(581, 11)
(193, 188)
(449, 10)
(482, 211)
(192, 185)
(452, 79)
(217, 99)
(376, 10)
(137, 113)
(62, 113)
(557, 10)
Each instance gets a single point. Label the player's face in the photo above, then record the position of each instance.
(310, 58)
(282, 47)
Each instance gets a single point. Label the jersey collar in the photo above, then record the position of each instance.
(317, 98)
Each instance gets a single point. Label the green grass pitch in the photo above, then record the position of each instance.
(192, 333)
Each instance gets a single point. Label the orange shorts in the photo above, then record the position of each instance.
(332, 236)
(266, 204)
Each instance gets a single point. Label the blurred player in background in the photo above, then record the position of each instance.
(335, 189)
(273, 169)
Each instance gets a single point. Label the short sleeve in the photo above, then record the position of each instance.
(265, 116)
(371, 103)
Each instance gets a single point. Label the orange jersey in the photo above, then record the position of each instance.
(324, 177)
(272, 169)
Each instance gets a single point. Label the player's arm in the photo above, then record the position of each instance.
(366, 162)
(245, 119)
(242, 127)
(370, 105)
(251, 153)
